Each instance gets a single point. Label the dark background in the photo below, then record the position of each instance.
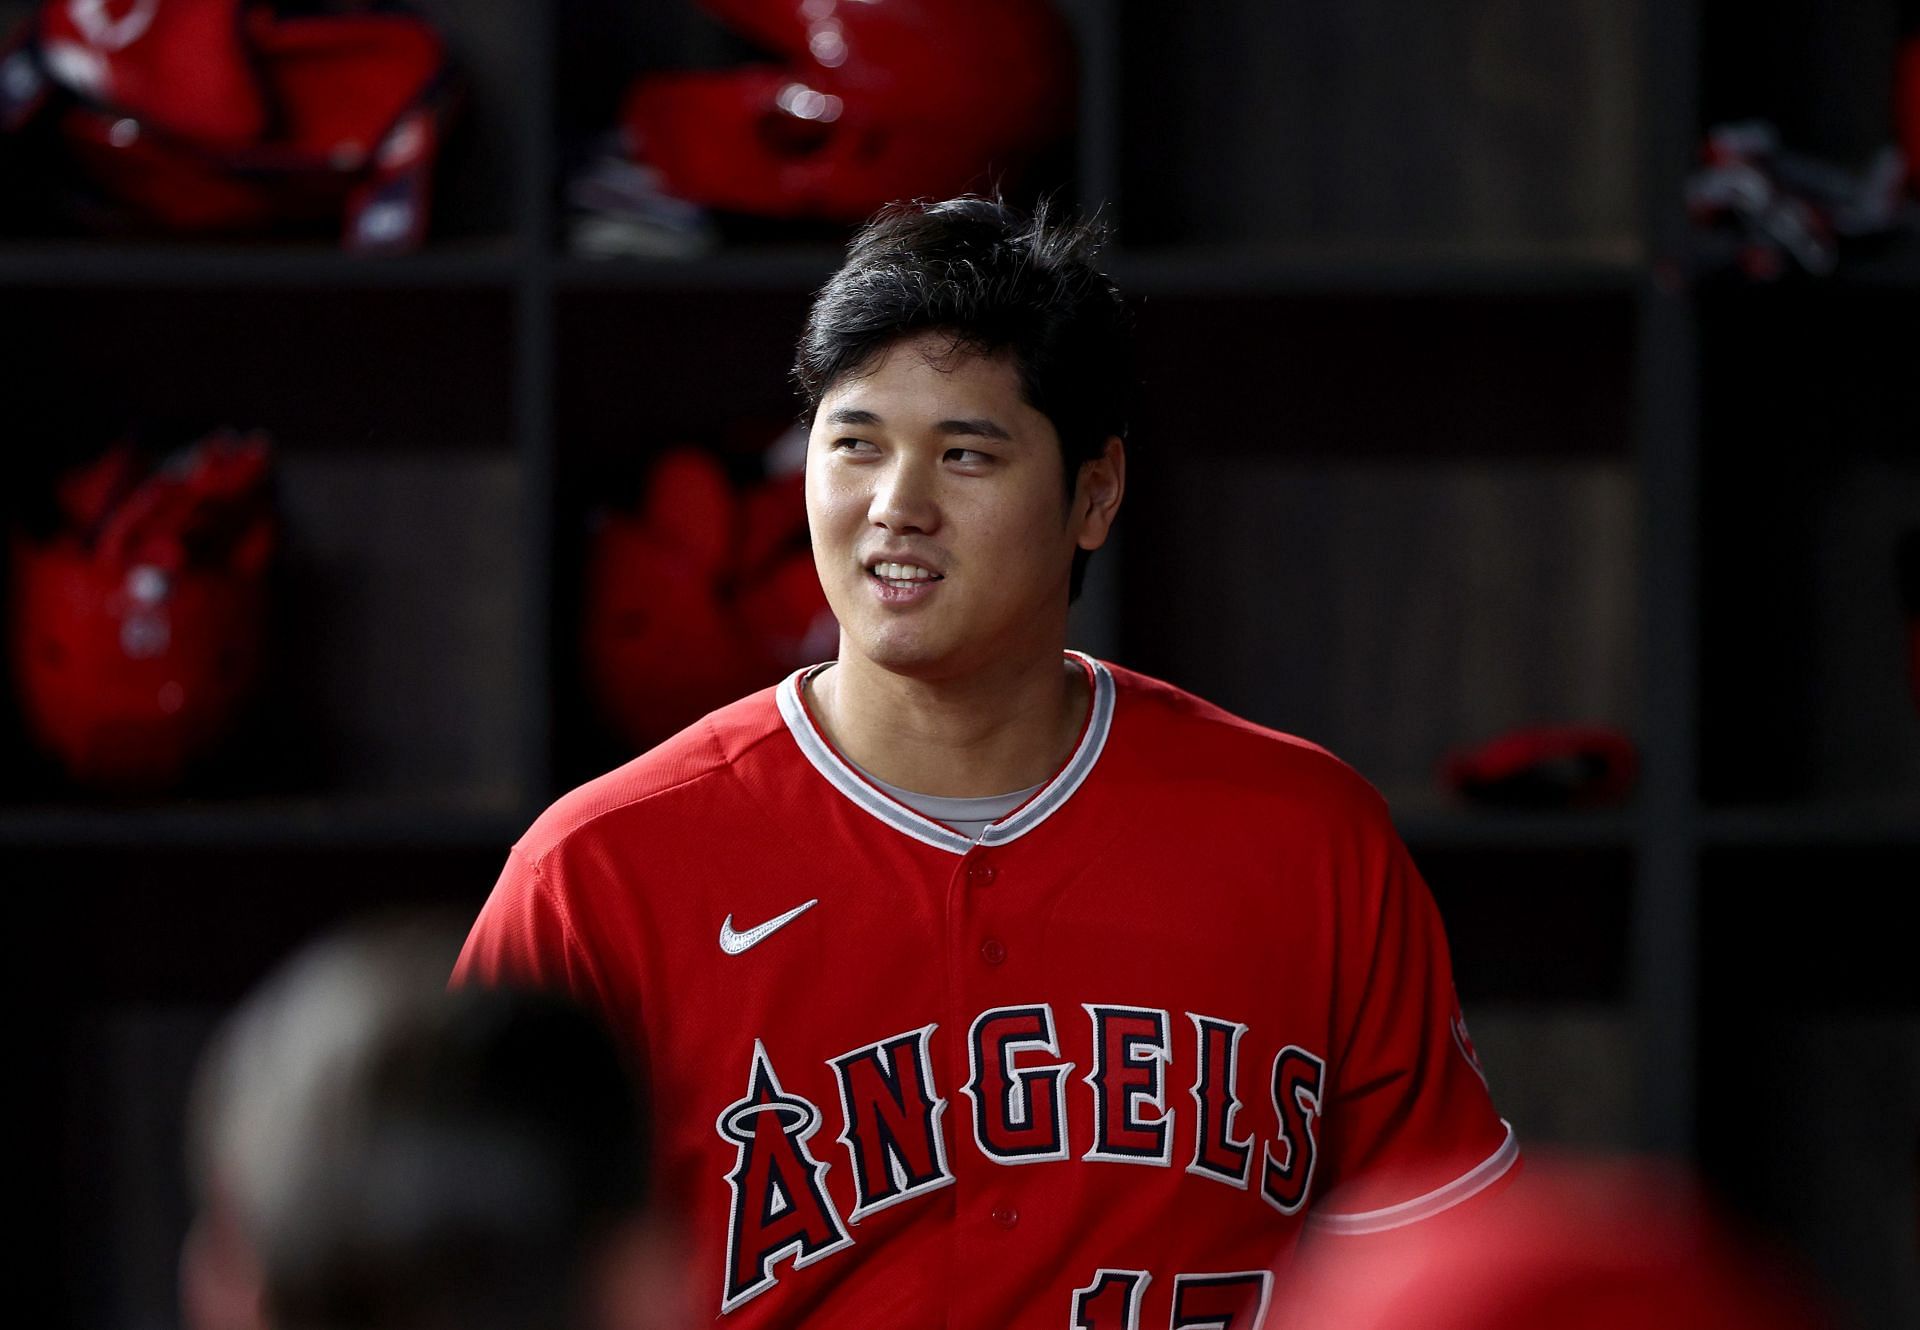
(1443, 434)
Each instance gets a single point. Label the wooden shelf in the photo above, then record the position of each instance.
(479, 264)
(1388, 270)
(290, 824)
(761, 269)
(1474, 828)
(1865, 822)
(1893, 269)
(1410, 270)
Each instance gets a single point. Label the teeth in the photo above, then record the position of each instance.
(902, 572)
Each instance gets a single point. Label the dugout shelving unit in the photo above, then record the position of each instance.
(1422, 454)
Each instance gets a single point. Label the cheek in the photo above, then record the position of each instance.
(1034, 529)
(1029, 550)
(827, 505)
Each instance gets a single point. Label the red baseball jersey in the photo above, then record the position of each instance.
(1097, 1067)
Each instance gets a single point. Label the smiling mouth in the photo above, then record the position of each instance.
(903, 575)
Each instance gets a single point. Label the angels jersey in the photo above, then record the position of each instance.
(1096, 1068)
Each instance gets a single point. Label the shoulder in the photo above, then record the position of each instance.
(1189, 741)
(664, 786)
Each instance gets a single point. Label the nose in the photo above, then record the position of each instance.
(904, 497)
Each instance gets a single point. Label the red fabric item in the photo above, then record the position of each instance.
(1194, 988)
(1555, 765)
(1573, 1244)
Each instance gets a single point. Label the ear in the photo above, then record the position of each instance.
(1096, 494)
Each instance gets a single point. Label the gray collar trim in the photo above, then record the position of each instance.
(1029, 815)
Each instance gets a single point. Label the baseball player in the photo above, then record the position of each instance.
(980, 982)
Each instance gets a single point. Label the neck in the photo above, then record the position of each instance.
(990, 733)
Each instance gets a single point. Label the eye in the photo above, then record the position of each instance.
(969, 456)
(857, 446)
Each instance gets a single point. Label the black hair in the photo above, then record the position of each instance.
(393, 1156)
(999, 282)
(490, 1145)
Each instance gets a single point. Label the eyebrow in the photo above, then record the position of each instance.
(978, 427)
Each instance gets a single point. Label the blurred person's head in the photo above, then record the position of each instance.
(1573, 1244)
(369, 1150)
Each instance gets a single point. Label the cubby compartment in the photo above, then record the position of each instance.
(1342, 510)
(395, 616)
(1810, 1060)
(1811, 480)
(174, 938)
(640, 374)
(780, 181)
(1540, 941)
(1496, 133)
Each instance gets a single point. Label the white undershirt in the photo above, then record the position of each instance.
(969, 817)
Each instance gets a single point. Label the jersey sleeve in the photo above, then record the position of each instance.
(525, 938)
(1409, 1127)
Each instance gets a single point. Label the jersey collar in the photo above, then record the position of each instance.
(843, 777)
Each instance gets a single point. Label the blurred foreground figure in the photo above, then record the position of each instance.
(1571, 1245)
(370, 1151)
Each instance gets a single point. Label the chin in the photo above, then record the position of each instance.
(910, 653)
(899, 657)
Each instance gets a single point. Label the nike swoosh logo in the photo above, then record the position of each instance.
(734, 943)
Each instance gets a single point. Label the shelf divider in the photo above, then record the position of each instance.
(533, 396)
(1664, 951)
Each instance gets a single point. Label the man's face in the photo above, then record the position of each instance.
(941, 529)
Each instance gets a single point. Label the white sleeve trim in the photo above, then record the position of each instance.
(1475, 1180)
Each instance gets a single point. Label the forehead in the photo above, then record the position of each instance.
(930, 373)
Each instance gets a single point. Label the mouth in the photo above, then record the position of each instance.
(902, 576)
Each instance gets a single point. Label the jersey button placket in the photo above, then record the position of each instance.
(983, 872)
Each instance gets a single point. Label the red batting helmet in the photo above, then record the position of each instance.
(870, 101)
(701, 597)
(137, 629)
(222, 115)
